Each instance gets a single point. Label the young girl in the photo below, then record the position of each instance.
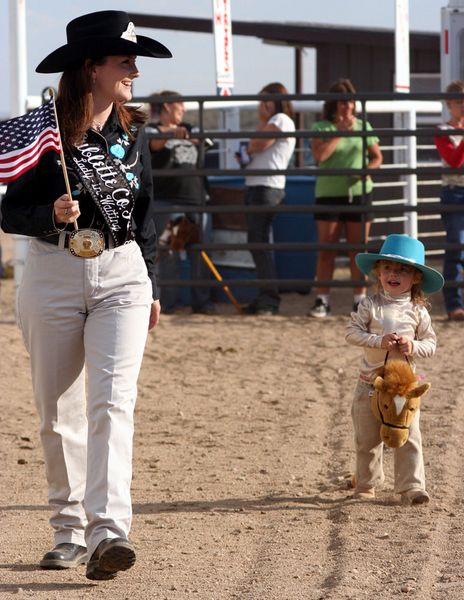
(394, 320)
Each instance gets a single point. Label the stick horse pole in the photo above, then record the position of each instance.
(215, 272)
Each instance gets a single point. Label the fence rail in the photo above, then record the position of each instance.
(414, 167)
(405, 173)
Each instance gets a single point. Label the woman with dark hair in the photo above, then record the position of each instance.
(451, 150)
(268, 190)
(88, 295)
(178, 152)
(341, 190)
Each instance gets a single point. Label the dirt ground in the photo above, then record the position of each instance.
(243, 449)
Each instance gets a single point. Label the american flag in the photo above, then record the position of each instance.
(24, 139)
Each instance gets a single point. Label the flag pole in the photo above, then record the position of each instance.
(51, 91)
(215, 272)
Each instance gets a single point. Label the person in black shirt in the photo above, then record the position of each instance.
(88, 295)
(178, 152)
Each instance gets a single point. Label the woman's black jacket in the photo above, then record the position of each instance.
(27, 208)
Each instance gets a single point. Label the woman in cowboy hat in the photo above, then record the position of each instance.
(393, 321)
(88, 294)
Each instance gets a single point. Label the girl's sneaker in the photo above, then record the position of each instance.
(320, 309)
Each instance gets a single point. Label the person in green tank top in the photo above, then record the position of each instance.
(341, 190)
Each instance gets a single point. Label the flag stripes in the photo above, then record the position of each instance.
(24, 140)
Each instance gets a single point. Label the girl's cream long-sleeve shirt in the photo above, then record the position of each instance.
(381, 314)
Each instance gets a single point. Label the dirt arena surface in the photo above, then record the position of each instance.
(243, 449)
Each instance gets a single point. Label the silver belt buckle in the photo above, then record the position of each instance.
(86, 243)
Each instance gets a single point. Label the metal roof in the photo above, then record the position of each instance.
(293, 34)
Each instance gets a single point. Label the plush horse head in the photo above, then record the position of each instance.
(395, 401)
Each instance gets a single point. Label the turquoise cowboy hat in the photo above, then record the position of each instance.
(406, 250)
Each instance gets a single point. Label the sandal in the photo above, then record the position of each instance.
(366, 494)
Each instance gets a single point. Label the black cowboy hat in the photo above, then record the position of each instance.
(98, 34)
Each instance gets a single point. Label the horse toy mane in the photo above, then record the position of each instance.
(398, 378)
(396, 400)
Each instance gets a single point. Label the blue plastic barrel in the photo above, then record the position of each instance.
(296, 227)
(287, 227)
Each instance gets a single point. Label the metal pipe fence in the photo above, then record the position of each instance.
(407, 208)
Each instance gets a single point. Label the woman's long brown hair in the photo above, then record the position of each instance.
(343, 86)
(281, 106)
(74, 105)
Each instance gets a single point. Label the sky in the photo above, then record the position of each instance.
(192, 68)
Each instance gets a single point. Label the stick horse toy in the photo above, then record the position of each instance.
(395, 401)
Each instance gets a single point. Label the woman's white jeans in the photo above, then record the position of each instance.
(92, 312)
